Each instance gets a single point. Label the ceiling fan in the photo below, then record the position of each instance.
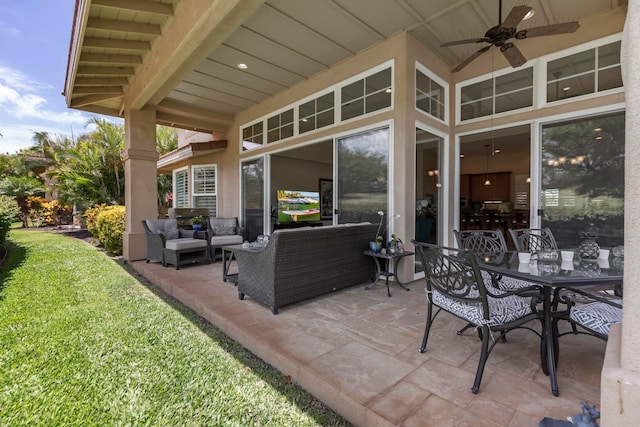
(500, 35)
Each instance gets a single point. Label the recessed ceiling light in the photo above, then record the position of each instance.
(242, 66)
(566, 88)
(388, 90)
(461, 156)
(597, 129)
(496, 151)
(599, 137)
(529, 15)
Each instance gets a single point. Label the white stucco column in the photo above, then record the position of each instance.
(620, 385)
(140, 174)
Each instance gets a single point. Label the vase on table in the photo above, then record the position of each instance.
(588, 248)
(374, 247)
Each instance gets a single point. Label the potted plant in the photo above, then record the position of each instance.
(197, 222)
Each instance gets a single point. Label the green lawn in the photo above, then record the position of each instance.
(84, 343)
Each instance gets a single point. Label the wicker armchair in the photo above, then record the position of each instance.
(454, 284)
(223, 232)
(166, 242)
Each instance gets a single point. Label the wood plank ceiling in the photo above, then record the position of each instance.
(282, 41)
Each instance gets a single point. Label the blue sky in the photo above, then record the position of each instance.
(34, 45)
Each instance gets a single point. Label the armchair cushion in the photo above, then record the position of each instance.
(224, 226)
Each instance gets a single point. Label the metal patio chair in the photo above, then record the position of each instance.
(455, 285)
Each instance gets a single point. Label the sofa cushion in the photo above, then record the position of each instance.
(178, 244)
(226, 240)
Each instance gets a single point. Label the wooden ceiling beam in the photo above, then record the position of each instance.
(138, 6)
(111, 58)
(92, 99)
(173, 107)
(104, 71)
(123, 26)
(101, 81)
(119, 44)
(98, 89)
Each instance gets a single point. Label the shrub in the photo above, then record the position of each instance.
(111, 226)
(37, 211)
(6, 219)
(91, 215)
(56, 213)
(10, 207)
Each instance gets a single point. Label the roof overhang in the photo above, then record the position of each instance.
(191, 150)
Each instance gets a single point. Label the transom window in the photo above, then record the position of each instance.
(316, 113)
(590, 71)
(280, 126)
(503, 93)
(252, 136)
(430, 96)
(369, 94)
(366, 95)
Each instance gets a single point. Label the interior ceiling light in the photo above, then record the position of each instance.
(462, 156)
(487, 181)
(597, 129)
(529, 15)
(496, 151)
(566, 88)
(528, 180)
(242, 66)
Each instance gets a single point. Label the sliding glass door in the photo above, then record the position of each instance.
(583, 179)
(362, 176)
(253, 198)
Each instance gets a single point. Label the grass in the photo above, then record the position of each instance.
(84, 343)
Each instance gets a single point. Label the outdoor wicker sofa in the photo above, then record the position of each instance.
(303, 263)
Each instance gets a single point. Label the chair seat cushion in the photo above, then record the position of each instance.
(501, 310)
(596, 316)
(226, 240)
(179, 244)
(505, 283)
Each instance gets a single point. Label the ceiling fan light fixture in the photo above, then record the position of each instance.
(506, 30)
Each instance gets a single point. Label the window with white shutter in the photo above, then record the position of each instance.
(181, 188)
(205, 188)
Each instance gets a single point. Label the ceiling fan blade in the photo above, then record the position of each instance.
(467, 61)
(549, 30)
(513, 55)
(515, 16)
(457, 42)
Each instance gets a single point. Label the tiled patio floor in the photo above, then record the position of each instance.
(357, 351)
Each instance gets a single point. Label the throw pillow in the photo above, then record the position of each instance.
(171, 234)
(224, 231)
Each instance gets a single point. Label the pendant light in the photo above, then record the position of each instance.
(486, 175)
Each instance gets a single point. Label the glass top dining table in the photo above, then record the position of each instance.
(553, 274)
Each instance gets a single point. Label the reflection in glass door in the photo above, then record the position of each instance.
(253, 198)
(362, 168)
(583, 179)
(428, 188)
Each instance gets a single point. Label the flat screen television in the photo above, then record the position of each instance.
(298, 206)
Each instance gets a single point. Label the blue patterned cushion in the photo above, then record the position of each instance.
(597, 316)
(501, 310)
(505, 283)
